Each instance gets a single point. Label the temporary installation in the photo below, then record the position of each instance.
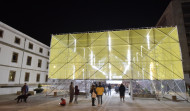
(151, 55)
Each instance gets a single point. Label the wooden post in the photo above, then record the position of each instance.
(55, 93)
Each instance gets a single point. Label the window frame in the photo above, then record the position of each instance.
(30, 45)
(30, 61)
(41, 50)
(14, 72)
(17, 38)
(48, 53)
(27, 78)
(1, 34)
(38, 77)
(13, 57)
(46, 79)
(39, 63)
(47, 65)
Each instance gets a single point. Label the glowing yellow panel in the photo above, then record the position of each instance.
(125, 54)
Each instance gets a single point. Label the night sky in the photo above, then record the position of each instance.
(40, 20)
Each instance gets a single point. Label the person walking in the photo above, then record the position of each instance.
(76, 94)
(24, 89)
(109, 90)
(106, 89)
(100, 91)
(122, 92)
(93, 94)
(71, 91)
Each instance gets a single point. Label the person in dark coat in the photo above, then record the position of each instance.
(76, 94)
(24, 89)
(122, 92)
(109, 89)
(71, 91)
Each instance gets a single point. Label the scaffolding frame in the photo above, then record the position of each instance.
(151, 54)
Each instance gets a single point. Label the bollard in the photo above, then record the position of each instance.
(174, 98)
(55, 93)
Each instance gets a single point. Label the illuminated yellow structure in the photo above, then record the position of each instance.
(152, 54)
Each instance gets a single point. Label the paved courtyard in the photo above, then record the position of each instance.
(40, 102)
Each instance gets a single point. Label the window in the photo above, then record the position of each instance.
(48, 53)
(41, 50)
(12, 75)
(15, 57)
(17, 40)
(29, 60)
(27, 75)
(39, 63)
(30, 46)
(46, 78)
(1, 33)
(47, 65)
(38, 78)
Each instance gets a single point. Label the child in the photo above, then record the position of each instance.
(63, 102)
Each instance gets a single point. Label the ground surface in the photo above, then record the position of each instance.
(40, 102)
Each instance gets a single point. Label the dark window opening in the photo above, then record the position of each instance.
(48, 53)
(15, 57)
(41, 50)
(29, 60)
(1, 33)
(47, 65)
(38, 78)
(27, 75)
(17, 40)
(46, 78)
(30, 46)
(39, 63)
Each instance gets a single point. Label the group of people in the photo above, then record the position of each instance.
(96, 92)
(72, 91)
(107, 89)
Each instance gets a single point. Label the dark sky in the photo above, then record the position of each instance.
(41, 19)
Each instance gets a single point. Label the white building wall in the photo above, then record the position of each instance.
(6, 56)
(9, 37)
(33, 75)
(34, 64)
(4, 80)
(8, 46)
